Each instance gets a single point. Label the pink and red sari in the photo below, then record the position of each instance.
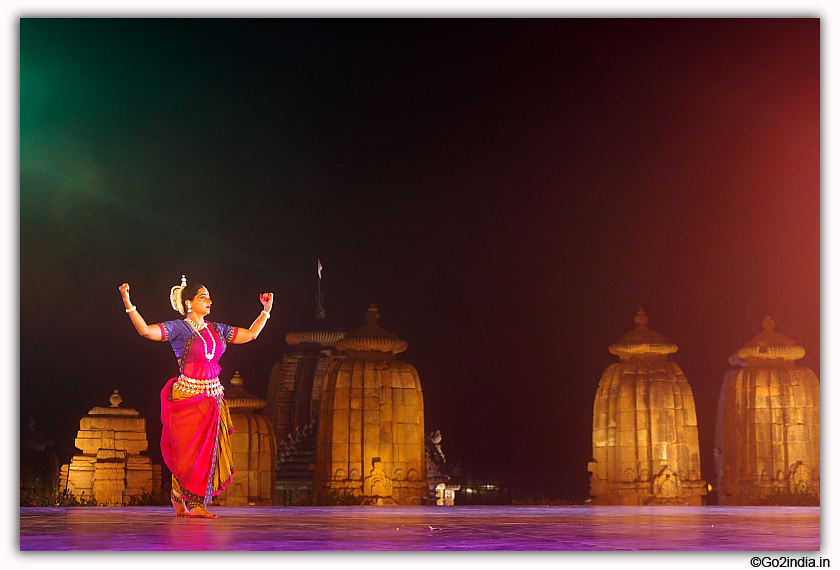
(195, 442)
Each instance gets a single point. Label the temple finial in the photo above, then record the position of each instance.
(372, 316)
(641, 319)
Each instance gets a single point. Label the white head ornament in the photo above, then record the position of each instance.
(175, 295)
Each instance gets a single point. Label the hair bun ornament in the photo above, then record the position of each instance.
(175, 295)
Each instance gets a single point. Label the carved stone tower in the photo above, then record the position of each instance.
(371, 439)
(254, 450)
(771, 422)
(294, 403)
(644, 431)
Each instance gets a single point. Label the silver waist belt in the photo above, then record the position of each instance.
(194, 386)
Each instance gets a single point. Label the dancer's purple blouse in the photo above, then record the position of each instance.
(184, 339)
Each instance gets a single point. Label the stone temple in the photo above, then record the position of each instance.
(645, 445)
(294, 404)
(113, 467)
(253, 447)
(771, 423)
(371, 439)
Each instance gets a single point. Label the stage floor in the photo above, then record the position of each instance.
(575, 528)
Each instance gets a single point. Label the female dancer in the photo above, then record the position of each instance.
(196, 423)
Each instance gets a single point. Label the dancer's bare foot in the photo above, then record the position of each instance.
(200, 512)
(180, 509)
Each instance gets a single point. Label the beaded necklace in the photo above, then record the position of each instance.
(208, 354)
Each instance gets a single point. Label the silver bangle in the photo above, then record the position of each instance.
(131, 308)
(266, 313)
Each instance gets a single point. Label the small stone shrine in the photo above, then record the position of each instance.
(294, 402)
(371, 438)
(112, 467)
(254, 450)
(644, 433)
(771, 423)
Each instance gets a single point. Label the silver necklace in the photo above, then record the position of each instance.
(208, 354)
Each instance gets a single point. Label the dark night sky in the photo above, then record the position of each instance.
(507, 192)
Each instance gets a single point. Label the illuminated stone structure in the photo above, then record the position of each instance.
(371, 438)
(644, 432)
(112, 467)
(254, 450)
(294, 403)
(771, 422)
(296, 384)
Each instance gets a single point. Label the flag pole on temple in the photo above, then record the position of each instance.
(319, 311)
